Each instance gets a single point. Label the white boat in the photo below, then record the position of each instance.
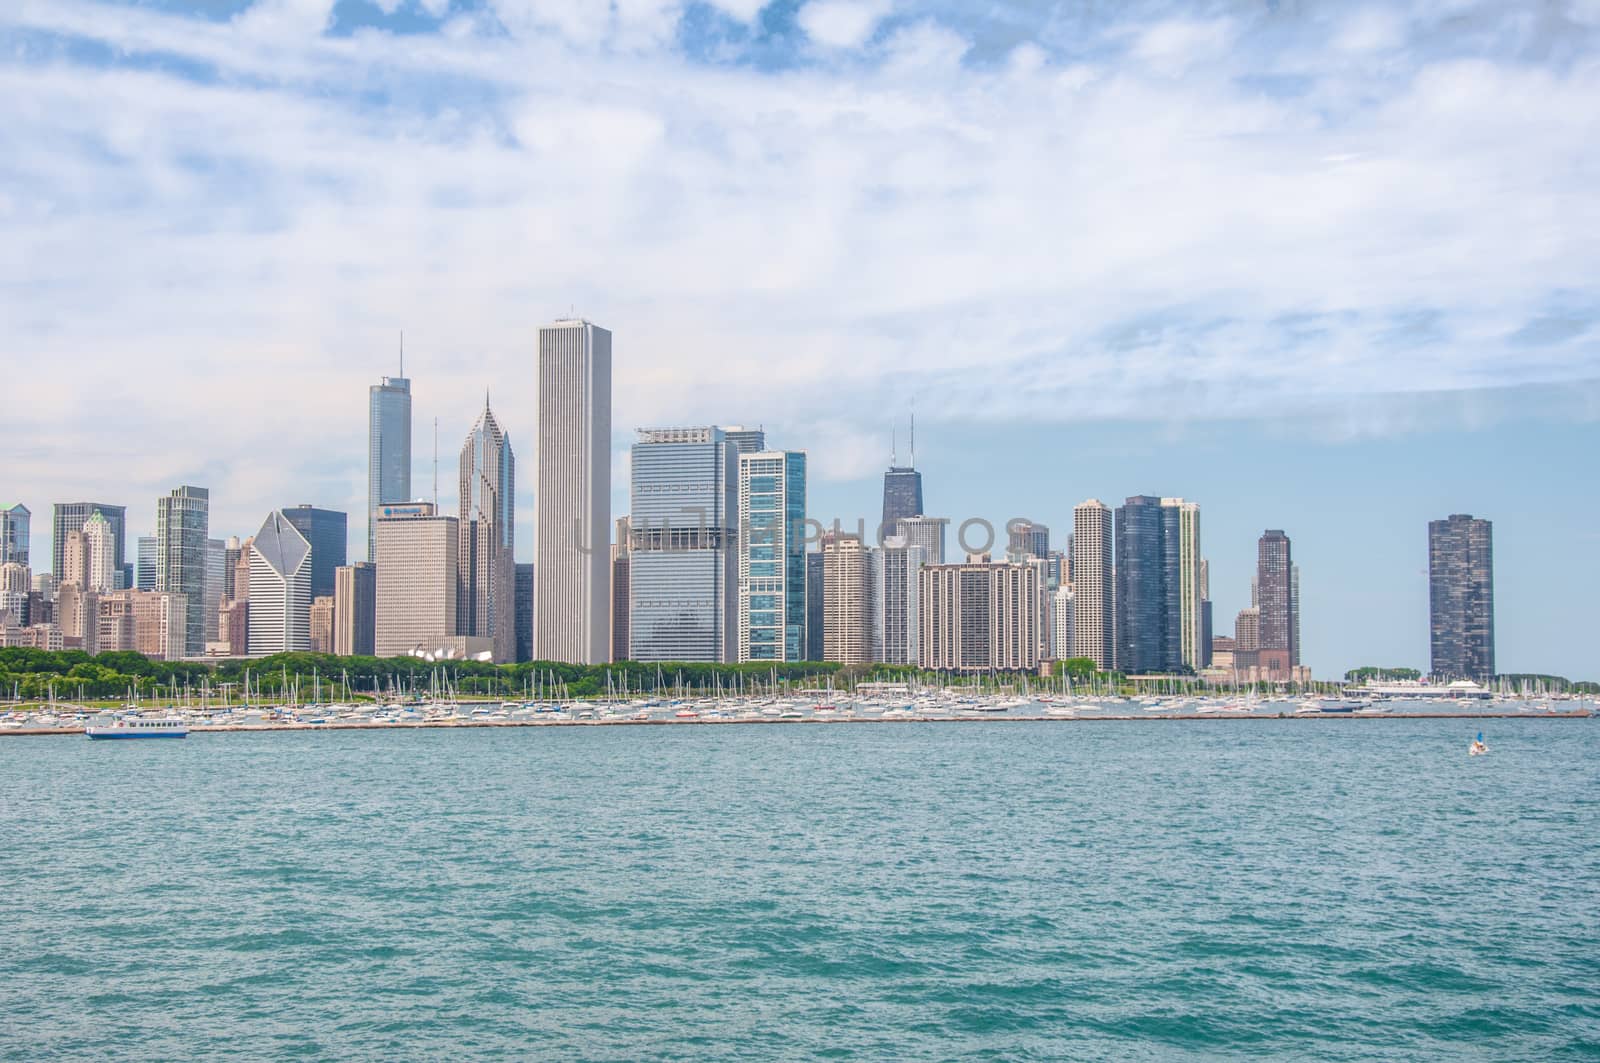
(139, 727)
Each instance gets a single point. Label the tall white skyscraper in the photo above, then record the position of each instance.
(487, 605)
(100, 538)
(1191, 588)
(280, 588)
(572, 618)
(897, 588)
(1093, 626)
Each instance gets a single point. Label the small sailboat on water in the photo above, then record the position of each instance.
(1477, 748)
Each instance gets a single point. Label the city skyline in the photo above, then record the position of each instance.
(1216, 249)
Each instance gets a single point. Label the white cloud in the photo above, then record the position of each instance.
(841, 23)
(804, 247)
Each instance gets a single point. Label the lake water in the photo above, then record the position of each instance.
(1336, 890)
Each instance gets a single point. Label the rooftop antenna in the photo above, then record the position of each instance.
(913, 433)
(436, 466)
(894, 446)
(402, 354)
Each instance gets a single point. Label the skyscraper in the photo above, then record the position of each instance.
(902, 487)
(322, 624)
(216, 580)
(1274, 565)
(15, 535)
(621, 589)
(1093, 622)
(68, 517)
(897, 593)
(487, 607)
(684, 568)
(1026, 538)
(145, 578)
(104, 571)
(415, 597)
(280, 588)
(388, 447)
(745, 440)
(926, 532)
(355, 597)
(524, 615)
(1147, 638)
(1182, 526)
(574, 494)
(816, 593)
(978, 616)
(772, 555)
(183, 519)
(847, 614)
(1461, 598)
(1294, 614)
(327, 530)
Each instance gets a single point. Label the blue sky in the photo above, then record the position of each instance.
(1329, 267)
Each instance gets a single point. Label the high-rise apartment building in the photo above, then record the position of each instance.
(684, 525)
(183, 519)
(280, 588)
(1147, 599)
(980, 616)
(16, 535)
(388, 447)
(1276, 651)
(1063, 617)
(772, 555)
(925, 532)
(74, 554)
(573, 493)
(1094, 625)
(847, 602)
(897, 594)
(1461, 598)
(487, 606)
(355, 603)
(1181, 526)
(418, 564)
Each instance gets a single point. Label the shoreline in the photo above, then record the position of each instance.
(428, 725)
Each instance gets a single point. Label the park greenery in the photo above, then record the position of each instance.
(35, 675)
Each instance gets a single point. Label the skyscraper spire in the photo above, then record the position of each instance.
(913, 433)
(402, 354)
(894, 446)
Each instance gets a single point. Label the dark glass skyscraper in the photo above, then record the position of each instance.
(327, 530)
(1461, 597)
(815, 602)
(902, 496)
(1276, 599)
(524, 615)
(1149, 626)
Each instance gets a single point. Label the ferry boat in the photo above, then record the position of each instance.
(139, 727)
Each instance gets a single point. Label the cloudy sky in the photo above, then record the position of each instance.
(1321, 266)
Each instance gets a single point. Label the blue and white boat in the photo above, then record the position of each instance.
(139, 727)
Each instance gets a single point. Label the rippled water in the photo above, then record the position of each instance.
(1147, 890)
